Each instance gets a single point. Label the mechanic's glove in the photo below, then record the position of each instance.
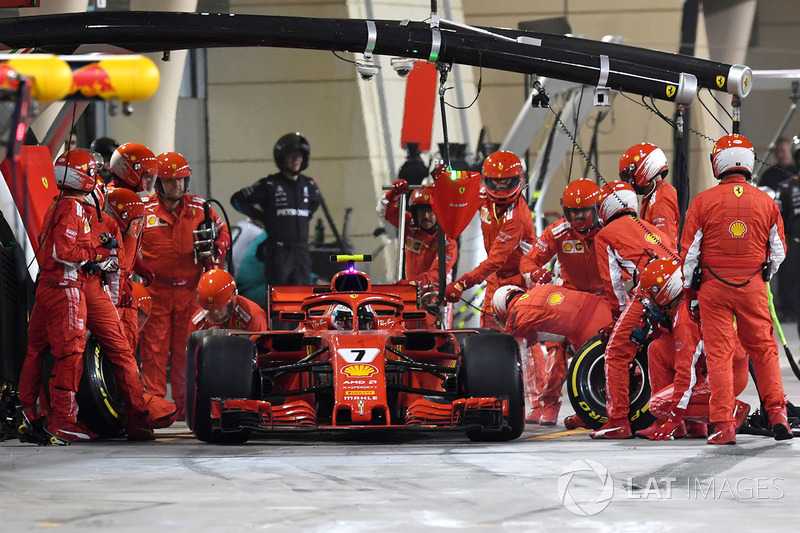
(398, 188)
(109, 241)
(100, 254)
(667, 429)
(605, 333)
(144, 272)
(91, 267)
(438, 170)
(125, 294)
(109, 265)
(694, 305)
(454, 291)
(540, 276)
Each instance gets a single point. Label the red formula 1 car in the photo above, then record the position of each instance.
(354, 361)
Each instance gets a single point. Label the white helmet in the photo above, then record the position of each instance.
(616, 197)
(733, 154)
(342, 317)
(502, 297)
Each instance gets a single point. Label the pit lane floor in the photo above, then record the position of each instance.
(548, 480)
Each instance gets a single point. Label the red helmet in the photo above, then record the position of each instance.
(144, 303)
(503, 165)
(134, 165)
(661, 281)
(76, 169)
(125, 207)
(172, 165)
(641, 164)
(579, 195)
(615, 198)
(423, 196)
(216, 290)
(733, 154)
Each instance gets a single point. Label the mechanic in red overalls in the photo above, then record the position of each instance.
(733, 242)
(59, 314)
(223, 308)
(644, 166)
(624, 246)
(508, 232)
(680, 397)
(168, 248)
(547, 312)
(133, 166)
(571, 240)
(422, 248)
(102, 289)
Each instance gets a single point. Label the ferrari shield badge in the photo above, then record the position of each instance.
(455, 200)
(738, 191)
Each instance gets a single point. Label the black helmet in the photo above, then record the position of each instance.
(291, 142)
(104, 146)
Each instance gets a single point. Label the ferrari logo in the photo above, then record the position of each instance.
(670, 91)
(738, 190)
(354, 296)
(526, 295)
(555, 298)
(44, 182)
(652, 237)
(461, 190)
(746, 83)
(720, 81)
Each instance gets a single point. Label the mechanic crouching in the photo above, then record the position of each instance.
(223, 308)
(178, 259)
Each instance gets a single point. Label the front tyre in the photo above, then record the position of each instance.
(225, 369)
(490, 367)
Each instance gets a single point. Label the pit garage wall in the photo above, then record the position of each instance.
(255, 95)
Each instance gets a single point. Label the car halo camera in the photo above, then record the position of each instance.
(402, 65)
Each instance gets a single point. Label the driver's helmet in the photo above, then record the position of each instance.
(502, 298)
(342, 318)
(366, 317)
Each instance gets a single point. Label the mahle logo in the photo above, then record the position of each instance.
(585, 487)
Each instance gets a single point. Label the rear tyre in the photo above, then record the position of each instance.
(490, 366)
(586, 386)
(100, 407)
(225, 369)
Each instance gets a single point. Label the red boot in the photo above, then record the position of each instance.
(534, 415)
(70, 431)
(781, 430)
(740, 413)
(613, 429)
(724, 433)
(550, 414)
(574, 422)
(138, 428)
(648, 432)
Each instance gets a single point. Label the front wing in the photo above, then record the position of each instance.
(236, 414)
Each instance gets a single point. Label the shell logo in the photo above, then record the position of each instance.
(359, 370)
(151, 220)
(555, 298)
(652, 237)
(567, 246)
(737, 229)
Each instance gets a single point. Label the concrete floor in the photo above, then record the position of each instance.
(411, 482)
